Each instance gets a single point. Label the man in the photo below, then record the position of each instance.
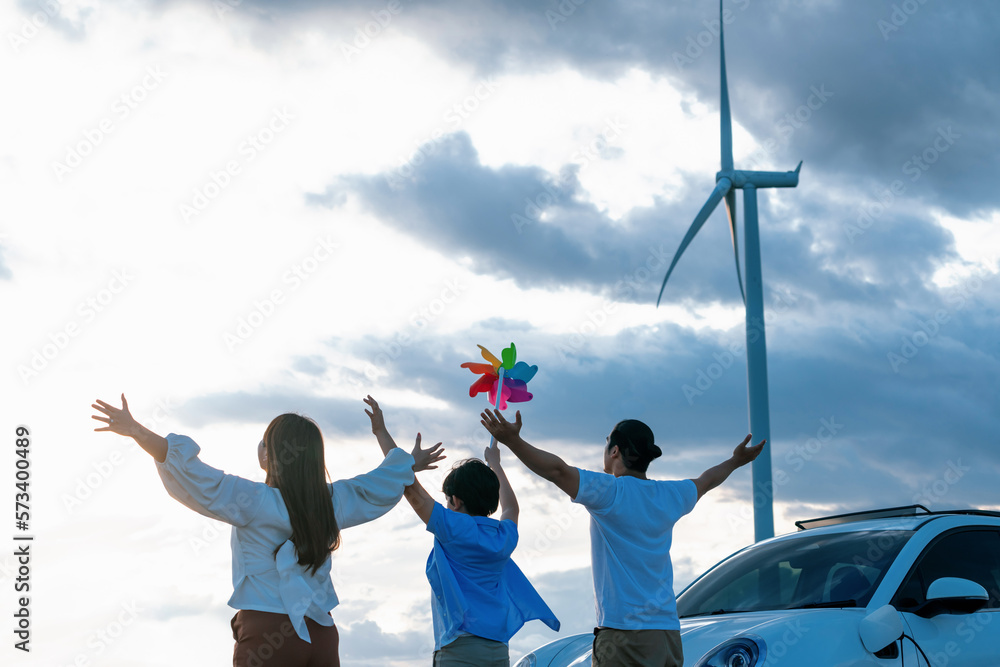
(631, 519)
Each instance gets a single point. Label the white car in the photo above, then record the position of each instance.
(895, 587)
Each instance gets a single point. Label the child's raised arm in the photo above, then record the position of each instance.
(508, 501)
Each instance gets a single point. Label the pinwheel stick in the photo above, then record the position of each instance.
(500, 371)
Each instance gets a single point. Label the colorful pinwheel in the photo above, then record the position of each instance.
(510, 375)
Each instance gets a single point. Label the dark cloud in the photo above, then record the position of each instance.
(334, 416)
(818, 247)
(538, 229)
(859, 88)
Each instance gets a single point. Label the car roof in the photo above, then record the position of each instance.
(905, 523)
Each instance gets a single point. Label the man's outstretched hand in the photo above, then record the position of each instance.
(743, 454)
(501, 429)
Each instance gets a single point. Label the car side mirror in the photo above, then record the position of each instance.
(881, 628)
(951, 595)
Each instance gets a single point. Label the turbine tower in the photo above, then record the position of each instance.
(727, 181)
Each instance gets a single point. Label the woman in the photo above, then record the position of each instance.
(284, 529)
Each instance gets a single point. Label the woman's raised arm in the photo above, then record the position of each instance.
(120, 421)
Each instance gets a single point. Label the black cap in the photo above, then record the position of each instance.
(635, 441)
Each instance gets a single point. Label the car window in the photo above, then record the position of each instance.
(967, 554)
(808, 570)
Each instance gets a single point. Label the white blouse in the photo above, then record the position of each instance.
(263, 581)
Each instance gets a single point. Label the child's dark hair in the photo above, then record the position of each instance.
(477, 486)
(635, 442)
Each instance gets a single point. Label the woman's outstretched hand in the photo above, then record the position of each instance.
(118, 420)
(378, 421)
(423, 458)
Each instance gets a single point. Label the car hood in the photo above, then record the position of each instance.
(781, 630)
(791, 637)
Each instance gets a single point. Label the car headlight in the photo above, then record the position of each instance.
(745, 651)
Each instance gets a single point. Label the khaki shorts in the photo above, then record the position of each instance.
(472, 651)
(637, 648)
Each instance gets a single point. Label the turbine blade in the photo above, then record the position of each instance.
(721, 188)
(726, 120)
(731, 209)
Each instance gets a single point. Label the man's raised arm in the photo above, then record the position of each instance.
(542, 463)
(716, 475)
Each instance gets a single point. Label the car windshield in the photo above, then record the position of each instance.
(811, 571)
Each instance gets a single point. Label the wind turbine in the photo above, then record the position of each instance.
(727, 181)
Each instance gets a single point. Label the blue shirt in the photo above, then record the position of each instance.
(477, 589)
(631, 521)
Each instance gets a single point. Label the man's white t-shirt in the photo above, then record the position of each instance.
(631, 521)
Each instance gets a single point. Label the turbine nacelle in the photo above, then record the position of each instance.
(760, 179)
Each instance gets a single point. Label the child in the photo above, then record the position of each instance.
(480, 597)
(284, 529)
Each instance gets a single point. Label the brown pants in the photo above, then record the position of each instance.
(637, 648)
(266, 639)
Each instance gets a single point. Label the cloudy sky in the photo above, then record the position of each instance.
(229, 210)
